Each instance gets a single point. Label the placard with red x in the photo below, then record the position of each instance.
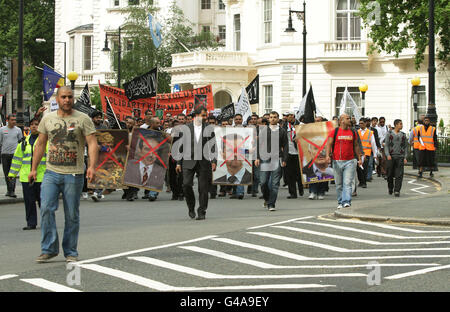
(110, 156)
(319, 147)
(152, 150)
(236, 151)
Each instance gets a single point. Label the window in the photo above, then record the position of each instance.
(87, 52)
(72, 53)
(133, 2)
(129, 45)
(267, 21)
(356, 96)
(237, 32)
(116, 2)
(206, 29)
(222, 32)
(268, 99)
(421, 101)
(206, 4)
(348, 24)
(221, 5)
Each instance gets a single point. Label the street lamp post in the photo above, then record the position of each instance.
(363, 88)
(19, 117)
(415, 83)
(431, 110)
(302, 16)
(106, 49)
(73, 76)
(43, 40)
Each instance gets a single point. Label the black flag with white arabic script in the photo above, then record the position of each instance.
(143, 86)
(253, 91)
(83, 103)
(113, 122)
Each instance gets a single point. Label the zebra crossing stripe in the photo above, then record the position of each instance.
(339, 249)
(364, 241)
(289, 255)
(42, 283)
(143, 281)
(7, 276)
(282, 222)
(369, 232)
(263, 265)
(209, 275)
(418, 272)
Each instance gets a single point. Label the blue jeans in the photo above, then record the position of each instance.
(239, 190)
(153, 194)
(344, 173)
(270, 183)
(70, 185)
(370, 169)
(256, 179)
(318, 188)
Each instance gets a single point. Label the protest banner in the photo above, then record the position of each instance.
(174, 103)
(111, 159)
(311, 140)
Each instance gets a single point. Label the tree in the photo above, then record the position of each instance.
(38, 20)
(142, 55)
(404, 24)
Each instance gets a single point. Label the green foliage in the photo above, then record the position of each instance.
(144, 56)
(404, 24)
(95, 97)
(38, 21)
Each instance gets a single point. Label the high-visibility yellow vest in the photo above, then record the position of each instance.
(21, 162)
(427, 138)
(416, 142)
(366, 141)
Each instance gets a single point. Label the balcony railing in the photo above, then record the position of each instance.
(216, 58)
(345, 49)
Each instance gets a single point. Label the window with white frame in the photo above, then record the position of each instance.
(206, 4)
(116, 2)
(222, 32)
(221, 5)
(206, 28)
(72, 53)
(268, 98)
(421, 101)
(237, 32)
(348, 23)
(267, 8)
(356, 96)
(87, 52)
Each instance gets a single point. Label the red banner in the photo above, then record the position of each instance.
(174, 103)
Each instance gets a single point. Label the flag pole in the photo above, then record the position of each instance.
(115, 117)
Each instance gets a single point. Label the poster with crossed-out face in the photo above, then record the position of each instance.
(235, 151)
(311, 141)
(111, 159)
(147, 160)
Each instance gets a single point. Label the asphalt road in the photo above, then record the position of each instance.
(154, 246)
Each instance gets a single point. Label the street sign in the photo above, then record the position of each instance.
(176, 88)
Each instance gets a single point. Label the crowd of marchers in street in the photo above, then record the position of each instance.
(55, 154)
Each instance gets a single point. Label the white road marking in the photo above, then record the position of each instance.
(369, 232)
(289, 255)
(209, 275)
(42, 283)
(7, 276)
(264, 265)
(390, 227)
(364, 241)
(421, 186)
(418, 272)
(146, 249)
(338, 249)
(143, 281)
(282, 222)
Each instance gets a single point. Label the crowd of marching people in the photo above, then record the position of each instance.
(357, 151)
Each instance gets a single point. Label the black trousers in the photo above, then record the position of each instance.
(31, 195)
(204, 180)
(6, 163)
(175, 180)
(130, 192)
(294, 179)
(394, 170)
(362, 173)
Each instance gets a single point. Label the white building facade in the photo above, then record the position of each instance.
(336, 58)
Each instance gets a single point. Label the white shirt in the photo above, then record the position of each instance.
(372, 141)
(382, 133)
(197, 132)
(239, 175)
(145, 126)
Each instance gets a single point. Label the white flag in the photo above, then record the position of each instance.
(243, 107)
(348, 102)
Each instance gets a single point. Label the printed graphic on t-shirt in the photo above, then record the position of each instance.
(64, 148)
(345, 137)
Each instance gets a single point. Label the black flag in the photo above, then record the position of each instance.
(143, 86)
(83, 103)
(113, 122)
(310, 107)
(226, 113)
(253, 91)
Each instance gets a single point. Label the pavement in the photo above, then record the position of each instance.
(425, 208)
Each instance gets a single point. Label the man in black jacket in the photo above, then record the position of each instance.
(196, 161)
(271, 159)
(294, 179)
